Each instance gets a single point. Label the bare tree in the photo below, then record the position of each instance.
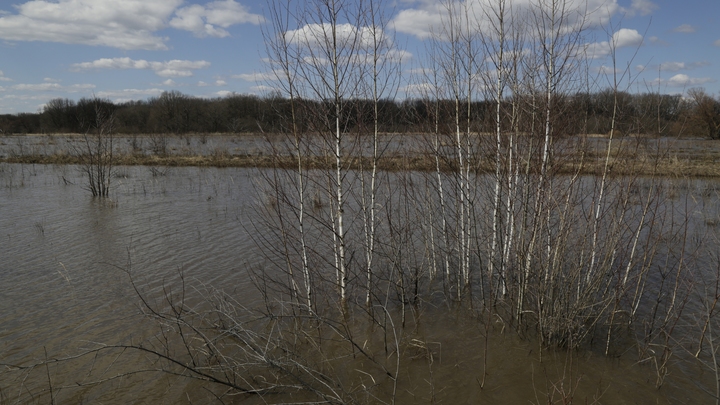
(707, 112)
(97, 151)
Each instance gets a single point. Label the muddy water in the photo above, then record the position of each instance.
(66, 261)
(66, 258)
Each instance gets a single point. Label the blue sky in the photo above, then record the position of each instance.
(136, 49)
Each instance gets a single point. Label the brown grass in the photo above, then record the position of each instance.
(680, 158)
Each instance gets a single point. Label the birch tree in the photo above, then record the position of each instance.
(284, 74)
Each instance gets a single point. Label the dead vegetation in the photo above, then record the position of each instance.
(655, 157)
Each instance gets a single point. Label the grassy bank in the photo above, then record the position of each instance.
(645, 156)
(665, 165)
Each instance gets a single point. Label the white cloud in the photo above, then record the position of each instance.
(683, 80)
(418, 89)
(642, 7)
(672, 66)
(607, 70)
(627, 37)
(419, 23)
(257, 77)
(169, 82)
(428, 17)
(316, 61)
(129, 94)
(172, 68)
(685, 29)
(317, 34)
(262, 89)
(211, 19)
(3, 78)
(127, 24)
(220, 82)
(398, 55)
(678, 66)
(624, 37)
(25, 97)
(53, 87)
(123, 24)
(657, 41)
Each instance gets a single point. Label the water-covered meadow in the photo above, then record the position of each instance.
(192, 284)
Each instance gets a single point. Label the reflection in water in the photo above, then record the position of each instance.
(65, 274)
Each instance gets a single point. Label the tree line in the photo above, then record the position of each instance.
(647, 113)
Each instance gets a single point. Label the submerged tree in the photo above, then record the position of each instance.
(96, 152)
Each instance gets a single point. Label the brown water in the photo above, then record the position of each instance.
(65, 265)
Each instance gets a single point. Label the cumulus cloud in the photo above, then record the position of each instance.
(624, 37)
(685, 29)
(3, 78)
(212, 19)
(362, 39)
(683, 80)
(420, 23)
(627, 37)
(428, 17)
(172, 68)
(126, 24)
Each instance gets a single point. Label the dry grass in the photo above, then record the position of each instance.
(674, 158)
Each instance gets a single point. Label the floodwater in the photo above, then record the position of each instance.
(67, 261)
(67, 258)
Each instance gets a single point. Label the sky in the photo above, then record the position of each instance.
(135, 49)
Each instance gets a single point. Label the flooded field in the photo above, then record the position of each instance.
(74, 269)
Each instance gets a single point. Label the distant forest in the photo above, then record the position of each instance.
(697, 115)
